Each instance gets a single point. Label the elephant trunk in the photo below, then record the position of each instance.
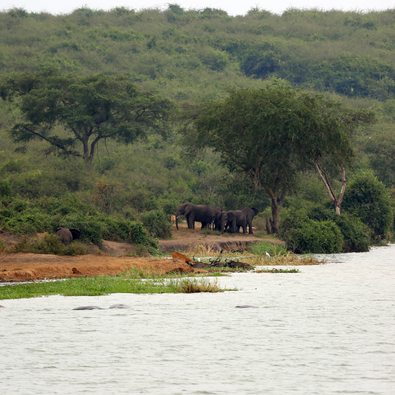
(177, 222)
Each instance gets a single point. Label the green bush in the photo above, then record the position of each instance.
(138, 235)
(367, 199)
(322, 237)
(29, 222)
(355, 233)
(157, 223)
(303, 235)
(51, 244)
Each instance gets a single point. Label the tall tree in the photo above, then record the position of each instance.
(273, 135)
(89, 109)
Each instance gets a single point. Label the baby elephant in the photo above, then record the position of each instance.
(68, 235)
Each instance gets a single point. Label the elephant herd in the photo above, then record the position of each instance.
(217, 219)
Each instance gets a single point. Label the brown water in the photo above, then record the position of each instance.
(327, 330)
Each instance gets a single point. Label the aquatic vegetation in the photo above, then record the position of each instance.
(104, 285)
(276, 270)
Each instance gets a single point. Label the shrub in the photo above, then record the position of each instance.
(138, 235)
(303, 235)
(368, 199)
(355, 233)
(29, 222)
(322, 237)
(51, 244)
(157, 223)
(21, 216)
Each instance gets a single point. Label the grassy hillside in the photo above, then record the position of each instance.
(186, 56)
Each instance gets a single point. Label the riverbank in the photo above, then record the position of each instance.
(115, 257)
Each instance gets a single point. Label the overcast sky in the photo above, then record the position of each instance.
(232, 7)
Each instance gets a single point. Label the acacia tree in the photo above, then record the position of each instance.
(89, 109)
(273, 135)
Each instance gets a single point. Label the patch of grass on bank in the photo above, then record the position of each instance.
(286, 260)
(104, 285)
(202, 251)
(265, 247)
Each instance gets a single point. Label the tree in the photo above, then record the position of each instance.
(89, 109)
(273, 135)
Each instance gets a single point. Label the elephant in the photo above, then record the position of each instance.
(250, 213)
(236, 218)
(68, 235)
(220, 219)
(199, 213)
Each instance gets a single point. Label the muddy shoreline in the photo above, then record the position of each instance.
(115, 257)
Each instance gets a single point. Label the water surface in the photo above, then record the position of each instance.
(329, 329)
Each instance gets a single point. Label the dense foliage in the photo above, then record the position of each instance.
(187, 56)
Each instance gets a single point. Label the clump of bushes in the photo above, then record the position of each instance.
(368, 199)
(51, 244)
(303, 235)
(157, 223)
(323, 231)
(355, 233)
(23, 216)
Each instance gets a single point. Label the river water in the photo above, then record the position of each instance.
(329, 329)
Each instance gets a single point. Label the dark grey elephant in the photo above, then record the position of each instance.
(220, 219)
(199, 213)
(236, 219)
(250, 213)
(68, 235)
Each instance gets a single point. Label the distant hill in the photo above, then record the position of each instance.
(192, 54)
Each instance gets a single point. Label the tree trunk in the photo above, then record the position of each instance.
(275, 216)
(268, 228)
(86, 151)
(336, 201)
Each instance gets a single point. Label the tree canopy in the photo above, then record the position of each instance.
(274, 134)
(89, 109)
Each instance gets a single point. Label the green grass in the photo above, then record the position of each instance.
(272, 249)
(104, 285)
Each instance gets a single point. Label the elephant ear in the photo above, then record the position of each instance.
(75, 232)
(256, 211)
(188, 209)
